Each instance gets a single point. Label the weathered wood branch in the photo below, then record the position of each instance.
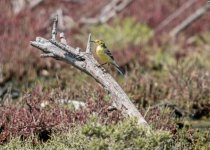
(84, 61)
(192, 18)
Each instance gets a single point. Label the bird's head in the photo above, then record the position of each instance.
(99, 42)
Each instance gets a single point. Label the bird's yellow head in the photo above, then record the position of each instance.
(99, 42)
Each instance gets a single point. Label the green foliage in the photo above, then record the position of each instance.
(124, 135)
(163, 59)
(122, 33)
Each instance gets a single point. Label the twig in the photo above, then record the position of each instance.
(54, 30)
(192, 18)
(88, 48)
(148, 109)
(59, 12)
(85, 62)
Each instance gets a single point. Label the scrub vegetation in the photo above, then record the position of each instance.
(167, 80)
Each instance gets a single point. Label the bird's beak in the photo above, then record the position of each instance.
(92, 41)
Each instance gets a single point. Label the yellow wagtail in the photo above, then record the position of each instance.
(105, 55)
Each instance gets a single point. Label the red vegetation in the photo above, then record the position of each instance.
(163, 121)
(32, 119)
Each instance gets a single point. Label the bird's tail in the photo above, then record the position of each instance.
(118, 68)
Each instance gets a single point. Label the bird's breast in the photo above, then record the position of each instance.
(102, 56)
(99, 50)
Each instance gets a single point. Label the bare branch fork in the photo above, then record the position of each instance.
(85, 62)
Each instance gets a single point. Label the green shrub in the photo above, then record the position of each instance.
(122, 33)
(124, 135)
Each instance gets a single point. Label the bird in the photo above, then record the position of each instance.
(105, 55)
(62, 38)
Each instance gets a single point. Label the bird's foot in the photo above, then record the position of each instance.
(101, 65)
(102, 68)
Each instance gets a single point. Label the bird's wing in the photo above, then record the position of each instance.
(106, 51)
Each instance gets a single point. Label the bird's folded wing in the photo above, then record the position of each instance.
(106, 51)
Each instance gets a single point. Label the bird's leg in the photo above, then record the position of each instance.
(102, 65)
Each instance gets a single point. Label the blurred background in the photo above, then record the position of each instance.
(164, 46)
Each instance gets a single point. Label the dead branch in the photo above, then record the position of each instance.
(65, 22)
(34, 3)
(84, 61)
(108, 12)
(174, 15)
(19, 5)
(192, 18)
(54, 29)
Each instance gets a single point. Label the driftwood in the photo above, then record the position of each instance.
(85, 62)
(108, 12)
(192, 18)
